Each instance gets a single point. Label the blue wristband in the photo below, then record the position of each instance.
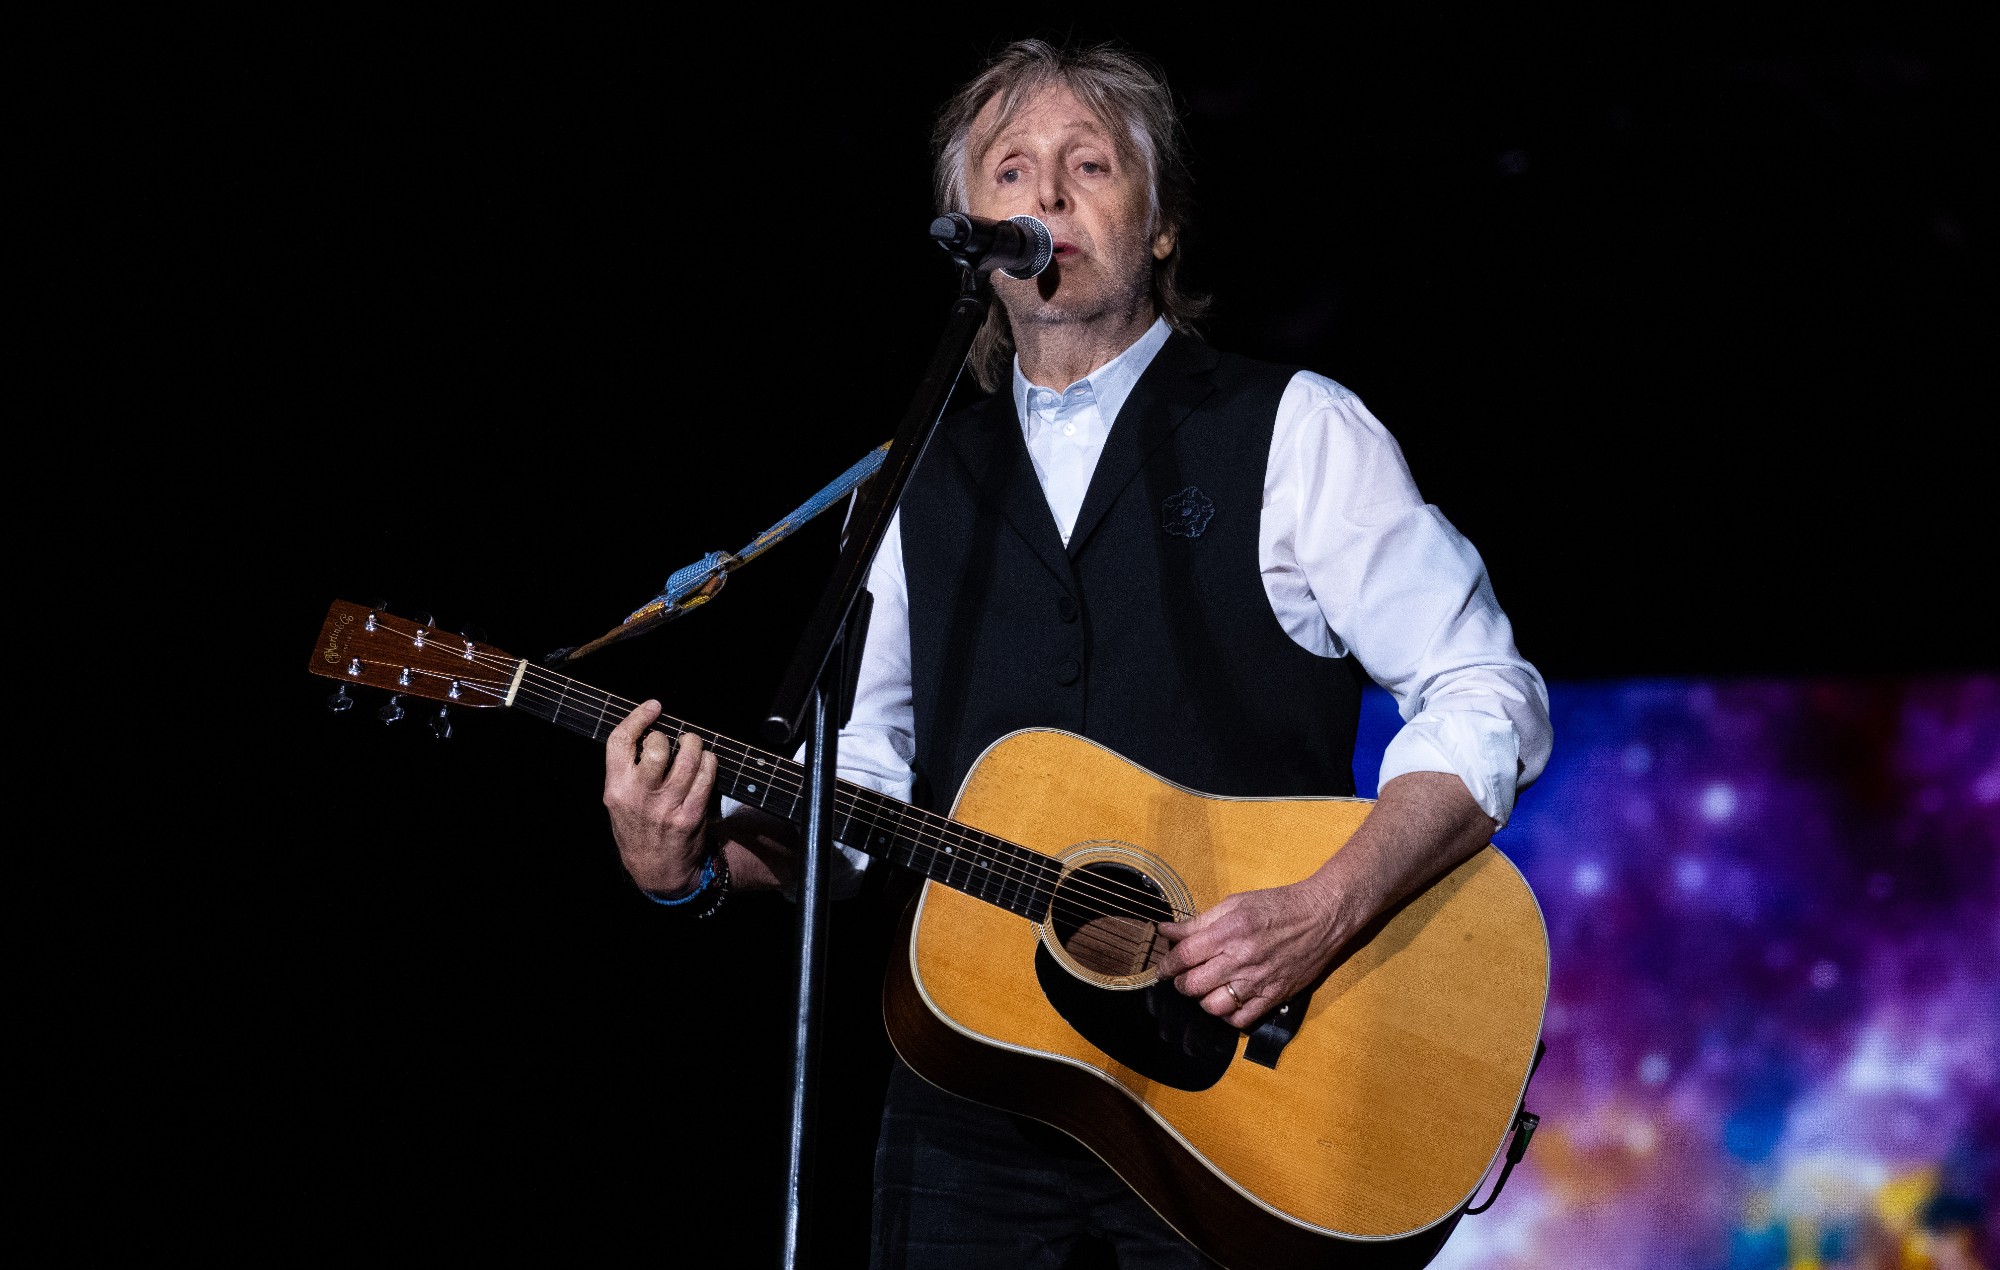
(707, 879)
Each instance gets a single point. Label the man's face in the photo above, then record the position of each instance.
(1056, 161)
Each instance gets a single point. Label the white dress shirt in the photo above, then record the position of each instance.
(1353, 560)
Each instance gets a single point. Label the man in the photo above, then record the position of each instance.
(1176, 552)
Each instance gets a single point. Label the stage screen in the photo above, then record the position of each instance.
(1773, 1024)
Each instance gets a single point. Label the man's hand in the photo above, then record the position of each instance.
(1252, 951)
(657, 794)
(1257, 949)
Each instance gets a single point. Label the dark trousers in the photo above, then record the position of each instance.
(961, 1185)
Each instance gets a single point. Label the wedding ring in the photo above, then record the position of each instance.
(1232, 993)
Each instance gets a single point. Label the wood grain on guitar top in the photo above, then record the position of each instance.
(1382, 1115)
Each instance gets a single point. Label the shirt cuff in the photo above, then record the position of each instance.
(1482, 751)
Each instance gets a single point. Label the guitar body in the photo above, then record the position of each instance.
(1351, 1128)
(1371, 1131)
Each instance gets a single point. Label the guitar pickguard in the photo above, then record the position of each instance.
(1155, 1031)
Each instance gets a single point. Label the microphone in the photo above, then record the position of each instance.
(1019, 246)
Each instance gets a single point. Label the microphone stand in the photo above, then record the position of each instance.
(834, 639)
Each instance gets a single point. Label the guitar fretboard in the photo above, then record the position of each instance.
(1013, 877)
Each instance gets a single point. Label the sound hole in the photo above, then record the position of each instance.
(1104, 914)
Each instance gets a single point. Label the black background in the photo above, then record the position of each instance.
(503, 319)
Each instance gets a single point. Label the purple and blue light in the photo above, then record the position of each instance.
(1774, 1017)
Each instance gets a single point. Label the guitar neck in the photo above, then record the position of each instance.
(1013, 877)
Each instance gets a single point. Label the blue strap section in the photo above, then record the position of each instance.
(686, 580)
(841, 486)
(690, 587)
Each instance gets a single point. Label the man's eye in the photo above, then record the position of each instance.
(1010, 175)
(1091, 166)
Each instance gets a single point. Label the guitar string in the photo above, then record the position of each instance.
(1127, 944)
(1087, 938)
(1118, 895)
(590, 695)
(782, 777)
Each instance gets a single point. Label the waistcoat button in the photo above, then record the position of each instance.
(1067, 670)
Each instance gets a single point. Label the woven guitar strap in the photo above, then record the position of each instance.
(690, 588)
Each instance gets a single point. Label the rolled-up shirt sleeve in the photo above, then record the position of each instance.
(1355, 561)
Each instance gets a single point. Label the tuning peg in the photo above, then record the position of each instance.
(441, 723)
(340, 701)
(392, 711)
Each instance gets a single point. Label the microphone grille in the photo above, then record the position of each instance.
(1045, 247)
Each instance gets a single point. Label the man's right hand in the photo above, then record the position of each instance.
(658, 794)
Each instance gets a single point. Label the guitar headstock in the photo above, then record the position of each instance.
(362, 645)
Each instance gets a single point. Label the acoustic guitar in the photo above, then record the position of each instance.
(1351, 1126)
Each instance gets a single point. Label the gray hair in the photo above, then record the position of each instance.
(1130, 94)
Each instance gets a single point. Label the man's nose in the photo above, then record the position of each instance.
(1054, 192)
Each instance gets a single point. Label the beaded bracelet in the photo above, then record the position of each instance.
(714, 877)
(719, 864)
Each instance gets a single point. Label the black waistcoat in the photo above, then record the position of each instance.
(1152, 633)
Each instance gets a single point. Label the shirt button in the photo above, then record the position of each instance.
(1067, 670)
(1065, 608)
(1069, 429)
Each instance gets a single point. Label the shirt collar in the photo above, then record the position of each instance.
(1111, 383)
